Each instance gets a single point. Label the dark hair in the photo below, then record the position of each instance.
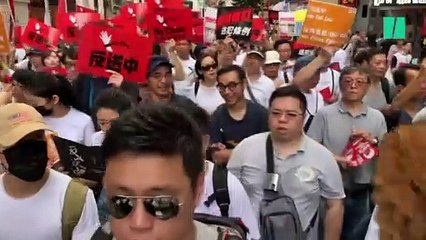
(69, 50)
(161, 129)
(280, 42)
(46, 85)
(360, 57)
(115, 99)
(289, 91)
(24, 77)
(198, 114)
(399, 74)
(232, 68)
(353, 69)
(198, 70)
(374, 52)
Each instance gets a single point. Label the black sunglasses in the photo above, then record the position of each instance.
(208, 67)
(160, 207)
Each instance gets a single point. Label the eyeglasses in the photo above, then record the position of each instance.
(286, 114)
(231, 86)
(160, 207)
(208, 67)
(357, 82)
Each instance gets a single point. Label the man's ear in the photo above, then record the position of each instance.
(199, 188)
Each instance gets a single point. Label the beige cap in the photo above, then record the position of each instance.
(272, 57)
(18, 120)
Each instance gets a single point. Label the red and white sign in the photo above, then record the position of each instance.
(84, 9)
(198, 29)
(153, 4)
(165, 24)
(359, 151)
(104, 47)
(258, 31)
(40, 36)
(70, 24)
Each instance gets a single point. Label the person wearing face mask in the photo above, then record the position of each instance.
(37, 197)
(110, 104)
(53, 98)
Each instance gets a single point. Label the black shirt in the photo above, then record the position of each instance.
(230, 132)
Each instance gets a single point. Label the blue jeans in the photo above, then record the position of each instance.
(358, 208)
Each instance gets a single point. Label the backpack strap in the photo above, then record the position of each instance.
(386, 89)
(221, 191)
(332, 81)
(196, 87)
(269, 155)
(286, 80)
(75, 198)
(250, 92)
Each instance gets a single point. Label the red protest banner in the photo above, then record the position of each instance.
(18, 36)
(258, 31)
(70, 24)
(235, 22)
(80, 8)
(165, 24)
(153, 4)
(133, 10)
(118, 48)
(40, 36)
(273, 16)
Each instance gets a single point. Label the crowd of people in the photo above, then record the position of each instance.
(211, 130)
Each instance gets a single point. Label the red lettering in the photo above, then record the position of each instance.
(246, 15)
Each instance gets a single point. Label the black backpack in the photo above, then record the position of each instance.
(220, 190)
(386, 90)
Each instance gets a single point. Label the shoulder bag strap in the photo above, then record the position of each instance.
(196, 87)
(332, 82)
(269, 155)
(286, 80)
(221, 191)
(250, 92)
(75, 198)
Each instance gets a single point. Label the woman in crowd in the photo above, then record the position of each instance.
(52, 97)
(203, 91)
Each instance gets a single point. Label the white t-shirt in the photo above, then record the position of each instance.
(240, 59)
(189, 70)
(98, 138)
(340, 57)
(330, 79)
(315, 102)
(402, 59)
(39, 216)
(262, 89)
(240, 206)
(76, 126)
(208, 98)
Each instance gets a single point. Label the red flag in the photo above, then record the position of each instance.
(40, 36)
(118, 48)
(80, 8)
(62, 9)
(70, 24)
(258, 31)
(165, 24)
(18, 36)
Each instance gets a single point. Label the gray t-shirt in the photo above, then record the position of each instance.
(375, 97)
(306, 176)
(332, 126)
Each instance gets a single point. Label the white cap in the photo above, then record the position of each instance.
(272, 57)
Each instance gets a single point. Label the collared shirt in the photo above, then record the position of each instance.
(306, 176)
(332, 126)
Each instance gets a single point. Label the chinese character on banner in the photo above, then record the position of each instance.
(231, 19)
(103, 47)
(18, 37)
(40, 36)
(165, 24)
(153, 4)
(80, 8)
(349, 3)
(70, 24)
(273, 16)
(359, 151)
(258, 31)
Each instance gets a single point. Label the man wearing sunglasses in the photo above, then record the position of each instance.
(154, 176)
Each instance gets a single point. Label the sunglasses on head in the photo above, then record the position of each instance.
(160, 207)
(208, 67)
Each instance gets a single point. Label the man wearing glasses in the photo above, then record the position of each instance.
(333, 126)
(306, 170)
(154, 176)
(237, 118)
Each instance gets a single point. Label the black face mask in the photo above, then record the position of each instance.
(44, 111)
(27, 160)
